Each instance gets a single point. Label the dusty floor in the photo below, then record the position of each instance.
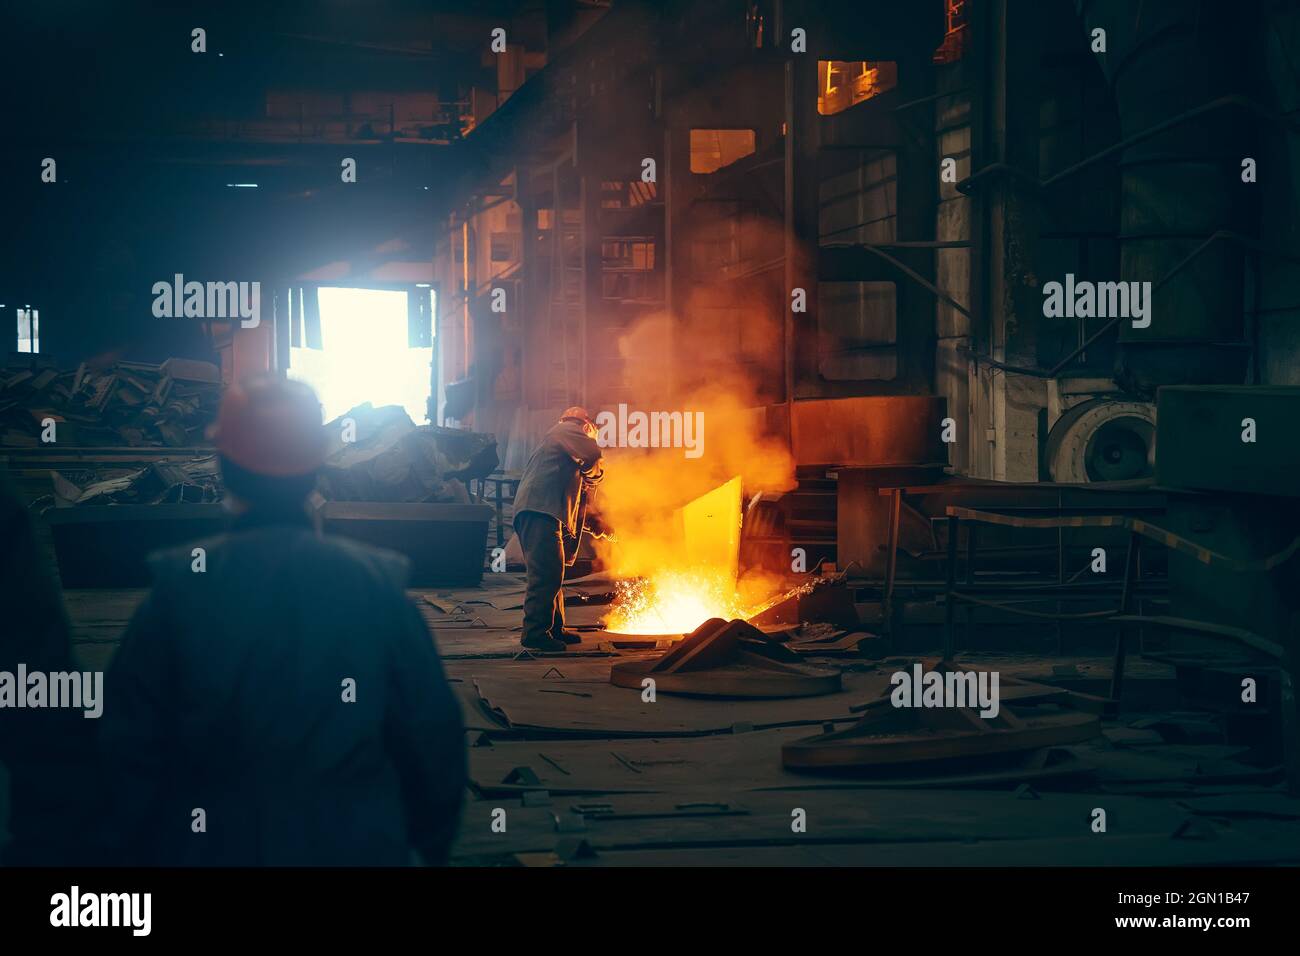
(585, 773)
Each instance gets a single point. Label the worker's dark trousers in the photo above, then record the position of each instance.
(543, 546)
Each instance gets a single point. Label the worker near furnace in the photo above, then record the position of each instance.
(549, 509)
(277, 700)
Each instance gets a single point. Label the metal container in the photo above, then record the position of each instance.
(105, 546)
(1200, 446)
(445, 543)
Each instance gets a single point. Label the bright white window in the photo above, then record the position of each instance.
(364, 355)
(29, 329)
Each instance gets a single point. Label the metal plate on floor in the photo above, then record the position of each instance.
(603, 710)
(895, 736)
(753, 676)
(747, 762)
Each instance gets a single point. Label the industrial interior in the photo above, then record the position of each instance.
(957, 337)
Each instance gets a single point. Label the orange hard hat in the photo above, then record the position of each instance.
(271, 426)
(578, 414)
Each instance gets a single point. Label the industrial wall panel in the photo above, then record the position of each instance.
(1202, 437)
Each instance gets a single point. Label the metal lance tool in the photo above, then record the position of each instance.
(572, 542)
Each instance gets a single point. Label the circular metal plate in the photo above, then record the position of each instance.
(1103, 440)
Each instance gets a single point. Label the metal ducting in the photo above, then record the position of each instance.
(1167, 63)
(1103, 440)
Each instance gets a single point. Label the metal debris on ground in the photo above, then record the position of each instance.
(728, 659)
(890, 736)
(825, 599)
(820, 638)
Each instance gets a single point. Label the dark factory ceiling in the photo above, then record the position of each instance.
(158, 146)
(86, 71)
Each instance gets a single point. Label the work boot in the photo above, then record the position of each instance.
(543, 643)
(567, 636)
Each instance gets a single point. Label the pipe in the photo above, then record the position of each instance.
(1177, 184)
(1245, 242)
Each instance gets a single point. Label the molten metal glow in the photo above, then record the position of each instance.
(676, 602)
(683, 568)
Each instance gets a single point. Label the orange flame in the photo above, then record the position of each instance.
(677, 518)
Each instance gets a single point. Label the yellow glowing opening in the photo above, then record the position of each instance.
(696, 573)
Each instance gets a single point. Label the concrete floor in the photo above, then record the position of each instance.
(584, 773)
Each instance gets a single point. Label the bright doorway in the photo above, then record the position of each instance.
(365, 355)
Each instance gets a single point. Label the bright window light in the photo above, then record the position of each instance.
(29, 330)
(365, 357)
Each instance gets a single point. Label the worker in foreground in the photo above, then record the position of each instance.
(276, 699)
(48, 752)
(549, 509)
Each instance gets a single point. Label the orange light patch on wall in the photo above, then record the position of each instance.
(842, 84)
(711, 149)
(954, 42)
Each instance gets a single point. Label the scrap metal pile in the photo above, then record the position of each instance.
(161, 482)
(379, 454)
(131, 404)
(376, 454)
